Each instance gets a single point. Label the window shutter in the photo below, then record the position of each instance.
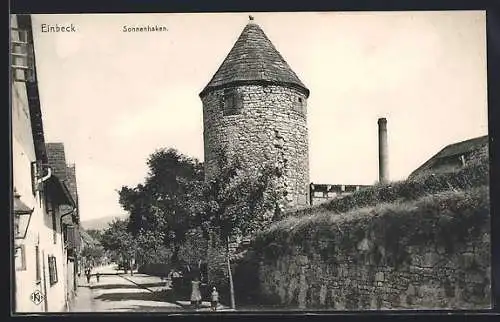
(22, 56)
(77, 239)
(70, 236)
(52, 270)
(35, 170)
(38, 276)
(54, 226)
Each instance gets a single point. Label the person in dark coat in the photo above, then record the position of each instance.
(88, 276)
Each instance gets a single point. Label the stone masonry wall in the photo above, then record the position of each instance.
(270, 126)
(424, 259)
(463, 281)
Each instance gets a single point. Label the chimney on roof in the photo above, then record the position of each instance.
(383, 170)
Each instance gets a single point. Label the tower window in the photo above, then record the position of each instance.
(232, 102)
(300, 106)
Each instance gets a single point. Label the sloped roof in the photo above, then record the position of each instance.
(56, 157)
(254, 59)
(59, 191)
(462, 147)
(455, 149)
(24, 22)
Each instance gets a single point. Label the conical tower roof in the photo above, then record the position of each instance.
(254, 60)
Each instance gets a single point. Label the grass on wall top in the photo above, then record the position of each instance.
(443, 209)
(475, 173)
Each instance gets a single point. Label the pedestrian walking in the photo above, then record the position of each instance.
(97, 275)
(215, 299)
(170, 276)
(195, 292)
(88, 276)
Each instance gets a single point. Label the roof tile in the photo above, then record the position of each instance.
(254, 58)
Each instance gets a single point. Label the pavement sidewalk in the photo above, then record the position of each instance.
(157, 284)
(83, 300)
(117, 291)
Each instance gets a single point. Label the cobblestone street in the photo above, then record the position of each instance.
(119, 292)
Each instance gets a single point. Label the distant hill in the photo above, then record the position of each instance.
(100, 223)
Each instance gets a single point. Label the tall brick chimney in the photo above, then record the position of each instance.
(383, 169)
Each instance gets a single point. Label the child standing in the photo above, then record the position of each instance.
(215, 299)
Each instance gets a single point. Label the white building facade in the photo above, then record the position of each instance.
(39, 283)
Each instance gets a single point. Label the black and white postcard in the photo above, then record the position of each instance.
(262, 162)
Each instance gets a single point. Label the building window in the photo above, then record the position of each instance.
(232, 102)
(300, 106)
(70, 236)
(54, 227)
(51, 211)
(35, 171)
(52, 270)
(64, 230)
(38, 275)
(22, 56)
(20, 258)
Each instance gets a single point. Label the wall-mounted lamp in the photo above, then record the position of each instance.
(22, 217)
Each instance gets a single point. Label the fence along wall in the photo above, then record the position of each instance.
(432, 253)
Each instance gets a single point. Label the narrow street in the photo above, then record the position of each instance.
(119, 292)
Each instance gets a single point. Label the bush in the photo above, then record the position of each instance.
(475, 173)
(444, 220)
(405, 211)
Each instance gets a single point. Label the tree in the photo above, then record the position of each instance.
(175, 199)
(95, 233)
(118, 240)
(150, 247)
(161, 206)
(239, 202)
(92, 253)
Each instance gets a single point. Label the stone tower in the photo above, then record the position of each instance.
(255, 105)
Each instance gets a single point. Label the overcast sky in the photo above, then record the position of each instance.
(114, 97)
